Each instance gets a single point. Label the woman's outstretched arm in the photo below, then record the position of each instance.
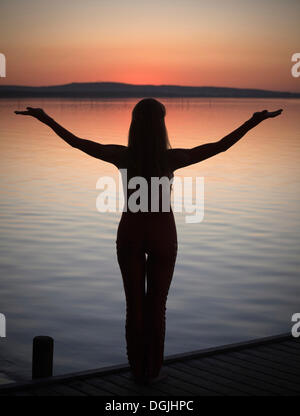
(180, 158)
(107, 152)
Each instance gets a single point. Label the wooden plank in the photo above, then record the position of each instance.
(284, 348)
(263, 363)
(169, 387)
(22, 393)
(183, 388)
(227, 348)
(65, 390)
(277, 372)
(282, 355)
(145, 390)
(193, 367)
(248, 383)
(293, 343)
(88, 389)
(273, 357)
(112, 387)
(187, 388)
(44, 392)
(265, 359)
(128, 383)
(287, 349)
(202, 381)
(291, 346)
(254, 376)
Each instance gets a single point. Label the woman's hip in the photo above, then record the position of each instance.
(157, 228)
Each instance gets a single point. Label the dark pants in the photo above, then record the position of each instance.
(146, 251)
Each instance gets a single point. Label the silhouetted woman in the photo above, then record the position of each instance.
(146, 240)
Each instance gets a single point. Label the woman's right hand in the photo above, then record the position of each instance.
(37, 113)
(263, 115)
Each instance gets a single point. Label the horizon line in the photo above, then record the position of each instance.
(145, 84)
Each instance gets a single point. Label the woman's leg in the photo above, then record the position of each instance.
(160, 267)
(132, 262)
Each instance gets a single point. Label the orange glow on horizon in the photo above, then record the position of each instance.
(237, 44)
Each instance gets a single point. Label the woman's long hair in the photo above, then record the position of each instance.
(148, 140)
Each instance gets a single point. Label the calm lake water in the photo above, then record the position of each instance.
(237, 271)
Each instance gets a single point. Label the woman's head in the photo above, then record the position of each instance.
(148, 109)
(148, 138)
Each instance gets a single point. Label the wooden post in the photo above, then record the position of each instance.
(42, 357)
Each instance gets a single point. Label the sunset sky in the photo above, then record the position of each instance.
(234, 43)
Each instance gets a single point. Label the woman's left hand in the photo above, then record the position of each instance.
(37, 113)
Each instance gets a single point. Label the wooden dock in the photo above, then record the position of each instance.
(264, 367)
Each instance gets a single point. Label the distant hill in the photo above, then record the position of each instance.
(120, 90)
